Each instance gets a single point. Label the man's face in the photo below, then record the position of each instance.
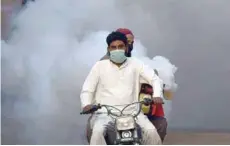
(117, 45)
(130, 38)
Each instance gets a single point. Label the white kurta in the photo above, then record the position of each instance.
(113, 85)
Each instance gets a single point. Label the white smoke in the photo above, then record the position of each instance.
(165, 69)
(48, 57)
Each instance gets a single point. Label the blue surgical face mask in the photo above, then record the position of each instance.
(117, 56)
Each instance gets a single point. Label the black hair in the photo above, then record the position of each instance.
(114, 36)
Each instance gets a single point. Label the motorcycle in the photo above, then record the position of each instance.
(126, 130)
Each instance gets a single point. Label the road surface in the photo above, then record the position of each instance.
(197, 138)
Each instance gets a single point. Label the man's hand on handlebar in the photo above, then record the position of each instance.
(154, 100)
(90, 108)
(147, 101)
(158, 100)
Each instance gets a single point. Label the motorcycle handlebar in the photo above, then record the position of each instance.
(146, 101)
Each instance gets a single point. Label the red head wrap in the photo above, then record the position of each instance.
(125, 31)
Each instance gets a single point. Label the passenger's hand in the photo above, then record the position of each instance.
(157, 100)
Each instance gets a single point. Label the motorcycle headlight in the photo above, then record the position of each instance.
(125, 123)
(126, 134)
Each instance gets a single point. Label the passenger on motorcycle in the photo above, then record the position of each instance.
(115, 81)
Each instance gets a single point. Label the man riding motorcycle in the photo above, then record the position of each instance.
(155, 113)
(115, 81)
